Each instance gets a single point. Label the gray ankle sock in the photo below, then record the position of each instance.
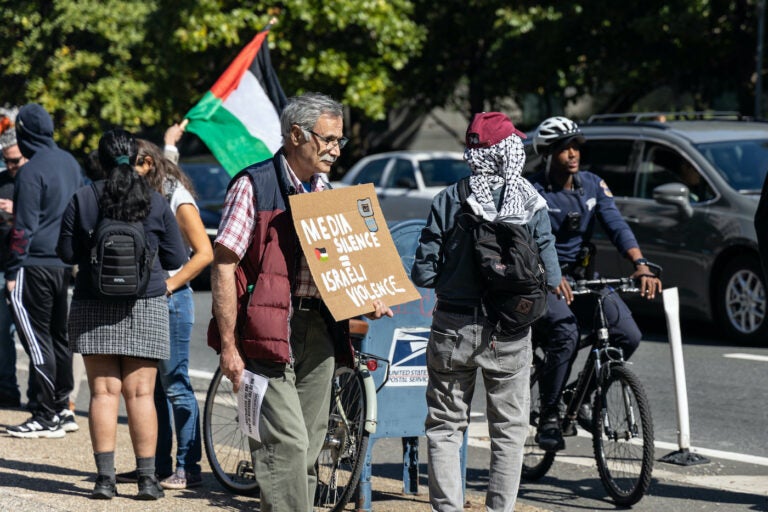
(105, 464)
(145, 466)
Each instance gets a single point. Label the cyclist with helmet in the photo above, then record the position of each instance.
(575, 199)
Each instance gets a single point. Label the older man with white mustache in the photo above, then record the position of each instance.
(286, 333)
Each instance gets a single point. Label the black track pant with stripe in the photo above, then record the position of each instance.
(39, 303)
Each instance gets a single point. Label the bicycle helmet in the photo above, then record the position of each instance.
(555, 132)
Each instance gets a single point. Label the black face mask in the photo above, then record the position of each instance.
(572, 222)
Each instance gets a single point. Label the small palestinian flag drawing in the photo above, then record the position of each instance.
(321, 253)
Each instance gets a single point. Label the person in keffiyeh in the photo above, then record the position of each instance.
(463, 339)
(494, 166)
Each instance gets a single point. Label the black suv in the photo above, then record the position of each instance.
(688, 186)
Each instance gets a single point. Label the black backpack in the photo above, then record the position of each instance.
(121, 258)
(508, 262)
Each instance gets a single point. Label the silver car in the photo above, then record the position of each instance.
(689, 191)
(407, 181)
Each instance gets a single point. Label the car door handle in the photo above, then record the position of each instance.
(632, 219)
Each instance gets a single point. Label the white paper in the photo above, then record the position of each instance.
(249, 398)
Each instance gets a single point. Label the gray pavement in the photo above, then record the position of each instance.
(56, 475)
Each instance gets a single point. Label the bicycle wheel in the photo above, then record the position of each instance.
(623, 436)
(346, 442)
(226, 446)
(536, 462)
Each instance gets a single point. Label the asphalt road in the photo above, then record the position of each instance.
(728, 414)
(727, 411)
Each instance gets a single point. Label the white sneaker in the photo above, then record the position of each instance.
(67, 421)
(37, 427)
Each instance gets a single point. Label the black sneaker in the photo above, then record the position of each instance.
(149, 488)
(549, 436)
(35, 428)
(67, 421)
(105, 488)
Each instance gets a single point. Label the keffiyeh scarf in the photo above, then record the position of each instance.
(493, 167)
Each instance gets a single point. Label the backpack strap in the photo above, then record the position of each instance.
(91, 233)
(462, 187)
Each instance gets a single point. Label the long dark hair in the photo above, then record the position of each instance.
(162, 168)
(126, 195)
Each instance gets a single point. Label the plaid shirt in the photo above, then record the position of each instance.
(237, 225)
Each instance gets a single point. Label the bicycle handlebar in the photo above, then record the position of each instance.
(587, 286)
(621, 284)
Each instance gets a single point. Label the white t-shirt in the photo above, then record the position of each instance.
(179, 195)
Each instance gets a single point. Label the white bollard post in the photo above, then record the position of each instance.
(683, 456)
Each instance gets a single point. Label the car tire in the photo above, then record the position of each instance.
(741, 300)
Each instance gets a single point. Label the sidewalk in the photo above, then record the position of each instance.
(56, 475)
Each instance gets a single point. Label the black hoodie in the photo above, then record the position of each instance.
(44, 186)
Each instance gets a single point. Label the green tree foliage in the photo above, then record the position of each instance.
(481, 53)
(142, 64)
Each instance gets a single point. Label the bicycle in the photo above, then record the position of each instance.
(621, 423)
(351, 421)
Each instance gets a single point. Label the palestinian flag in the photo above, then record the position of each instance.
(239, 118)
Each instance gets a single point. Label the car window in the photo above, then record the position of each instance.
(663, 165)
(371, 173)
(402, 175)
(210, 181)
(743, 164)
(441, 172)
(610, 159)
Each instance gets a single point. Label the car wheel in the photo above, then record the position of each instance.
(741, 300)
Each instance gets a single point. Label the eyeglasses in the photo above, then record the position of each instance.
(14, 161)
(331, 142)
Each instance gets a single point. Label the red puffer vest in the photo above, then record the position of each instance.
(265, 275)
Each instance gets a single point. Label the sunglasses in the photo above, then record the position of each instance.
(14, 161)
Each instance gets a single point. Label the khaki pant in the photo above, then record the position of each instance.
(294, 417)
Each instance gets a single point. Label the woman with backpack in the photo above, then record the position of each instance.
(173, 387)
(121, 329)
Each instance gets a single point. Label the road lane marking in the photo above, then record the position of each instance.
(749, 357)
(200, 374)
(478, 436)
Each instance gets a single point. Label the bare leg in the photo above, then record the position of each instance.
(104, 382)
(138, 391)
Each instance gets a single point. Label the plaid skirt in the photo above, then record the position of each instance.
(126, 328)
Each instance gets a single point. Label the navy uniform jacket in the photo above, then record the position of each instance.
(591, 199)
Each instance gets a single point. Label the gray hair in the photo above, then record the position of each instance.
(8, 138)
(306, 109)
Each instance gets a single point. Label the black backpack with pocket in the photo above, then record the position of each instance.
(512, 273)
(121, 258)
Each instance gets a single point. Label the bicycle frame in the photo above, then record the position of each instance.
(602, 355)
(620, 423)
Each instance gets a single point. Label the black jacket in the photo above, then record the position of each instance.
(160, 228)
(44, 186)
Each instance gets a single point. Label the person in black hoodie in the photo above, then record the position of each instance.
(9, 386)
(35, 276)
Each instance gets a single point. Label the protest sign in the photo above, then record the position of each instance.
(350, 252)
